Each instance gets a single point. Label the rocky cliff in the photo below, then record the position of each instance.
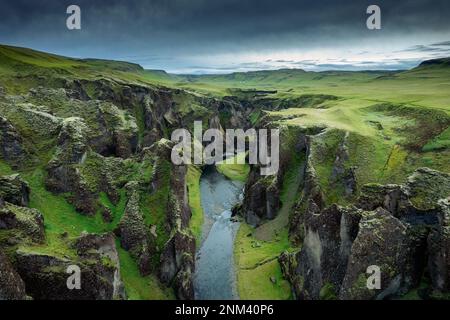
(401, 229)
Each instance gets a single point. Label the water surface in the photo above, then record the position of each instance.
(215, 278)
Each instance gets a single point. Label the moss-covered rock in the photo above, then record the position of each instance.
(12, 149)
(28, 223)
(14, 190)
(12, 286)
(383, 241)
(389, 229)
(135, 236)
(425, 187)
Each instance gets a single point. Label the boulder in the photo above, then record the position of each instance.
(63, 174)
(322, 262)
(177, 263)
(11, 144)
(439, 250)
(382, 241)
(12, 286)
(29, 223)
(14, 190)
(135, 236)
(46, 276)
(402, 229)
(102, 247)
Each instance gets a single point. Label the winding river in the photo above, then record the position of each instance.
(215, 277)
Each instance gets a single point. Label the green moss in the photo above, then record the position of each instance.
(440, 142)
(328, 292)
(154, 206)
(255, 116)
(116, 210)
(256, 263)
(233, 169)
(136, 286)
(5, 169)
(193, 184)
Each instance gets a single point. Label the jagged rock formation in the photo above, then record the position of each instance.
(134, 235)
(11, 144)
(63, 175)
(177, 261)
(402, 229)
(46, 276)
(12, 286)
(103, 130)
(24, 224)
(262, 193)
(14, 190)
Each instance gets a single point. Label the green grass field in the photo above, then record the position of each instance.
(258, 271)
(234, 168)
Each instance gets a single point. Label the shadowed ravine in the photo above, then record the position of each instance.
(215, 276)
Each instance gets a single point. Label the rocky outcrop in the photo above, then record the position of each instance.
(37, 120)
(342, 174)
(102, 248)
(312, 194)
(63, 174)
(12, 286)
(11, 144)
(116, 133)
(386, 242)
(46, 276)
(14, 190)
(438, 245)
(177, 262)
(322, 262)
(262, 193)
(28, 223)
(135, 236)
(262, 199)
(22, 224)
(402, 232)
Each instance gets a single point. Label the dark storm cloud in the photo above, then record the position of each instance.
(441, 44)
(154, 32)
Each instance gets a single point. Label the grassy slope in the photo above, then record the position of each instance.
(193, 183)
(234, 168)
(34, 65)
(256, 263)
(288, 196)
(60, 217)
(257, 250)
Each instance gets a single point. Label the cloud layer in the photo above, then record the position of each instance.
(228, 35)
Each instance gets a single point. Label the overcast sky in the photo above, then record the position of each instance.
(220, 36)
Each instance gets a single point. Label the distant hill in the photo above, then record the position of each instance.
(16, 60)
(443, 62)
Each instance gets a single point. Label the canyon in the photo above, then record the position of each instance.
(86, 179)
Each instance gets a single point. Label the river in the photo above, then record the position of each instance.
(215, 277)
